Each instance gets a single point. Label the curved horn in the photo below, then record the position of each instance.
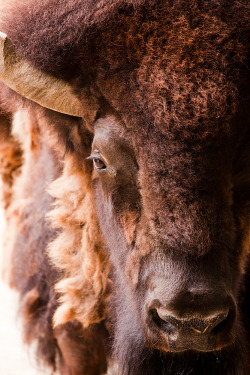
(42, 88)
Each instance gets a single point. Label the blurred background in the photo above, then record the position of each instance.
(15, 358)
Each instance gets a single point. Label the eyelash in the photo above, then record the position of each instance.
(98, 162)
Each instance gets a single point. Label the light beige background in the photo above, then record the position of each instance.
(15, 358)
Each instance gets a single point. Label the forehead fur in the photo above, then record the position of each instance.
(61, 34)
(178, 65)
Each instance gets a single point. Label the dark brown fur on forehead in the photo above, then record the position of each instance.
(63, 35)
(181, 60)
(182, 67)
(60, 34)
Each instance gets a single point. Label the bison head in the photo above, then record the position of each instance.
(163, 102)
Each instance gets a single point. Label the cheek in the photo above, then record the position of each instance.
(129, 222)
(110, 226)
(143, 245)
(118, 200)
(121, 230)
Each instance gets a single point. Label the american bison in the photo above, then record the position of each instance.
(128, 211)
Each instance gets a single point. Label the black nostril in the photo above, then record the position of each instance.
(225, 324)
(198, 324)
(171, 320)
(166, 325)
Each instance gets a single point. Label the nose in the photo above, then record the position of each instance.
(202, 329)
(197, 324)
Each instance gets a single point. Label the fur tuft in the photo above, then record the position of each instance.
(78, 251)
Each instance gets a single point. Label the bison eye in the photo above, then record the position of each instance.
(97, 161)
(99, 164)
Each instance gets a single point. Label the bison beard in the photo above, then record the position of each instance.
(158, 219)
(137, 360)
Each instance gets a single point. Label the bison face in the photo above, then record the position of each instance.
(163, 88)
(167, 214)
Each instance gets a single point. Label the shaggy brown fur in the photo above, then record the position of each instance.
(10, 158)
(78, 250)
(31, 274)
(26, 241)
(171, 77)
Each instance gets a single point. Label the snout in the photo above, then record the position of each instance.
(200, 323)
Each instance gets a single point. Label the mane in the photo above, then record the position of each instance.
(10, 158)
(79, 249)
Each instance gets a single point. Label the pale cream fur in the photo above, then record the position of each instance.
(21, 124)
(79, 250)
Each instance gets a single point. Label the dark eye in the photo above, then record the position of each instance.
(99, 164)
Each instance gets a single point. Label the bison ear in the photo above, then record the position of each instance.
(33, 84)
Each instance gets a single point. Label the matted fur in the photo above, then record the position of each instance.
(10, 158)
(27, 268)
(25, 264)
(79, 249)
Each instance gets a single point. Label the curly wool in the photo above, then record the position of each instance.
(79, 249)
(10, 159)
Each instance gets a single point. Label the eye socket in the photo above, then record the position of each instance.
(99, 164)
(97, 161)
